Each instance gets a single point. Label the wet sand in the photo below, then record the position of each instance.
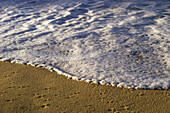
(30, 89)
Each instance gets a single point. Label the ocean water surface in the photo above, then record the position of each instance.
(123, 43)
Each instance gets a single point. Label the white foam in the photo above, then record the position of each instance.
(123, 43)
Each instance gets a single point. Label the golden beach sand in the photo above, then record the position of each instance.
(27, 89)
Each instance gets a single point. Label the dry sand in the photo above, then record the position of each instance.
(36, 90)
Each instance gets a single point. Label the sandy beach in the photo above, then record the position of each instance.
(123, 45)
(30, 89)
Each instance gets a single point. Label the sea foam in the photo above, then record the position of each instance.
(123, 43)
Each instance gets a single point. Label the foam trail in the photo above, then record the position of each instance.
(123, 43)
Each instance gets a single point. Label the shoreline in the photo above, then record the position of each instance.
(24, 88)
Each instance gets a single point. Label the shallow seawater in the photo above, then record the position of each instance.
(118, 42)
